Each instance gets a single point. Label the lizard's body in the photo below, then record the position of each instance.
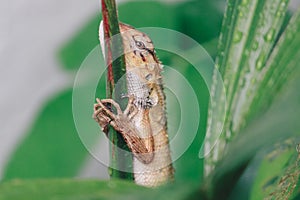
(143, 123)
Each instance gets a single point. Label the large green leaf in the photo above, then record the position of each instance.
(64, 189)
(271, 67)
(52, 147)
(250, 31)
(192, 19)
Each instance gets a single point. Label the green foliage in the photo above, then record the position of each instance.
(253, 73)
(188, 158)
(74, 52)
(52, 148)
(249, 33)
(273, 127)
(148, 14)
(282, 63)
(256, 42)
(239, 154)
(64, 189)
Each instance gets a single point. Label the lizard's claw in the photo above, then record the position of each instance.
(112, 102)
(103, 115)
(101, 119)
(105, 109)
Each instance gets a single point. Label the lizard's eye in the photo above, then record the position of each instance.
(140, 44)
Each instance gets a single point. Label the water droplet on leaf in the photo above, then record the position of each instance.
(270, 35)
(245, 2)
(243, 82)
(246, 52)
(255, 45)
(279, 14)
(260, 62)
(237, 36)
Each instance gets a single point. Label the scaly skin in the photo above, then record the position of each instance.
(143, 123)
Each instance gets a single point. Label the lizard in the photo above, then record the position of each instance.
(143, 124)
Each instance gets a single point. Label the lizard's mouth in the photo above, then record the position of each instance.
(152, 53)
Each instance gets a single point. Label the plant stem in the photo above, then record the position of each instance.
(120, 160)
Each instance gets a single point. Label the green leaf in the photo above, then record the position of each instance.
(74, 51)
(52, 147)
(249, 33)
(200, 20)
(189, 167)
(147, 14)
(278, 173)
(282, 63)
(64, 189)
(265, 27)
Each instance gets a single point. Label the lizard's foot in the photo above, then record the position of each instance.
(142, 148)
(101, 119)
(112, 102)
(104, 116)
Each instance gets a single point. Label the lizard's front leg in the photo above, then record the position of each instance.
(104, 116)
(121, 122)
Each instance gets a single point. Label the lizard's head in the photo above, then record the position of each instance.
(143, 69)
(138, 47)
